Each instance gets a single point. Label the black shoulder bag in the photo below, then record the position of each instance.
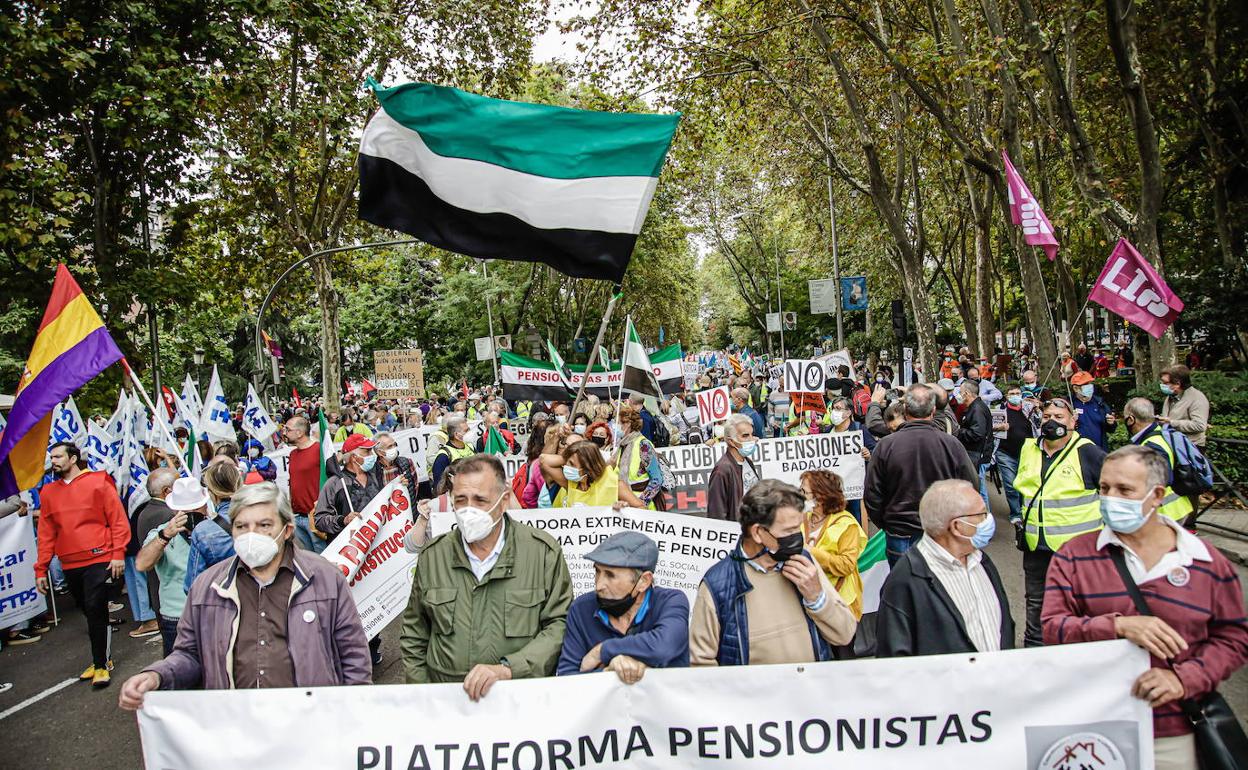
(1220, 741)
(1020, 531)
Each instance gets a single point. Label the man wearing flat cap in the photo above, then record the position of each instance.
(628, 624)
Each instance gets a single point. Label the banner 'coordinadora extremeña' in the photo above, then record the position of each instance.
(777, 458)
(1065, 706)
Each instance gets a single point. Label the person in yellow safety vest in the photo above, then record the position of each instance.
(455, 448)
(1141, 421)
(523, 410)
(641, 480)
(474, 402)
(1058, 480)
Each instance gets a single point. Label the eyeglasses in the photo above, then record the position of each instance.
(1058, 402)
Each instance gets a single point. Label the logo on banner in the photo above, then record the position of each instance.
(803, 376)
(1089, 746)
(714, 405)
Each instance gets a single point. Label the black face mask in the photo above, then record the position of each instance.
(788, 546)
(1053, 430)
(616, 607)
(601, 441)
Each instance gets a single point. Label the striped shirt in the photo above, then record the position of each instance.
(971, 590)
(1202, 601)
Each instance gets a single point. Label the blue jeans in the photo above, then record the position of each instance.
(136, 589)
(1009, 470)
(896, 545)
(983, 486)
(303, 533)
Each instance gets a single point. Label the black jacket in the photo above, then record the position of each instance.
(903, 465)
(918, 617)
(975, 433)
(726, 487)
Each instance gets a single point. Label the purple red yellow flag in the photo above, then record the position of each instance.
(71, 348)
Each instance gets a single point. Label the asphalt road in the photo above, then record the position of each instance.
(75, 726)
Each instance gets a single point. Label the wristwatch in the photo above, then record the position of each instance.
(160, 533)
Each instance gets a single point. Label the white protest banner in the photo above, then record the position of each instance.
(778, 458)
(412, 443)
(690, 370)
(369, 552)
(67, 424)
(688, 545)
(714, 405)
(18, 598)
(803, 376)
(1064, 705)
(256, 420)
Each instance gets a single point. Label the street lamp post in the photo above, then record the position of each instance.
(198, 358)
(299, 263)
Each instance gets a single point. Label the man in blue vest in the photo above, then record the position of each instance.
(767, 601)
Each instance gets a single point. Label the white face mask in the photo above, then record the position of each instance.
(838, 416)
(255, 549)
(253, 452)
(391, 454)
(474, 523)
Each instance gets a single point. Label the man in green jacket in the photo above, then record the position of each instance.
(490, 598)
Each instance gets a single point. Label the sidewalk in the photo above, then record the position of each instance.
(1234, 547)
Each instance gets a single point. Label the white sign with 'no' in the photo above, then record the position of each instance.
(714, 405)
(803, 376)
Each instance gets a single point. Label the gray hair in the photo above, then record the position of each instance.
(264, 493)
(945, 501)
(159, 480)
(970, 386)
(920, 402)
(454, 422)
(741, 394)
(1155, 466)
(735, 420)
(1141, 409)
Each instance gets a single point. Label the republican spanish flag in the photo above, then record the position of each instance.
(71, 348)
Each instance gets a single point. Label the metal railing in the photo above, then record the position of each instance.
(1222, 487)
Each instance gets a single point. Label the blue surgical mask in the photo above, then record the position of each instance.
(1087, 390)
(1122, 514)
(1014, 400)
(748, 448)
(983, 532)
(367, 463)
(572, 474)
(1166, 390)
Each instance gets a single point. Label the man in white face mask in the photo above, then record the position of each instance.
(735, 473)
(1187, 610)
(273, 616)
(490, 598)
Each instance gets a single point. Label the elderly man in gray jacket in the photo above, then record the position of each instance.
(240, 610)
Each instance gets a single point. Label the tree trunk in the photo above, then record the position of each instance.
(331, 361)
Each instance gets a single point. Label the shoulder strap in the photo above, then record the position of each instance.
(1120, 562)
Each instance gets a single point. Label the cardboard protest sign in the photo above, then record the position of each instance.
(714, 405)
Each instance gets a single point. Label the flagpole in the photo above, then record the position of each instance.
(138, 386)
(593, 353)
(628, 321)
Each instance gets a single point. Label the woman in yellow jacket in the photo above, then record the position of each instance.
(833, 536)
(583, 476)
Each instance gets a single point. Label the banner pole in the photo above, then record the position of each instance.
(155, 415)
(593, 352)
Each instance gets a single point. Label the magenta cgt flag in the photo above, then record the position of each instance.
(1130, 287)
(1025, 211)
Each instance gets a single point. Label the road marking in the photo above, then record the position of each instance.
(36, 698)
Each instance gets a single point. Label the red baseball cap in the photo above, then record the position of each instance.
(358, 441)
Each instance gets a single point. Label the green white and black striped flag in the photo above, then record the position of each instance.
(638, 372)
(564, 372)
(496, 179)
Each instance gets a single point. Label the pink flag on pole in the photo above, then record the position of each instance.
(1130, 287)
(1025, 210)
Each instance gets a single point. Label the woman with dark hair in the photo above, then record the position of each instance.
(531, 490)
(833, 535)
(584, 477)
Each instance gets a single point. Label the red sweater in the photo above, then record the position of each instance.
(305, 478)
(1084, 593)
(83, 522)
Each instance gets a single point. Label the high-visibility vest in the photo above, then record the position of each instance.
(1174, 505)
(454, 453)
(1066, 508)
(523, 410)
(636, 475)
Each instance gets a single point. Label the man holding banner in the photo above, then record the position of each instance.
(273, 616)
(489, 598)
